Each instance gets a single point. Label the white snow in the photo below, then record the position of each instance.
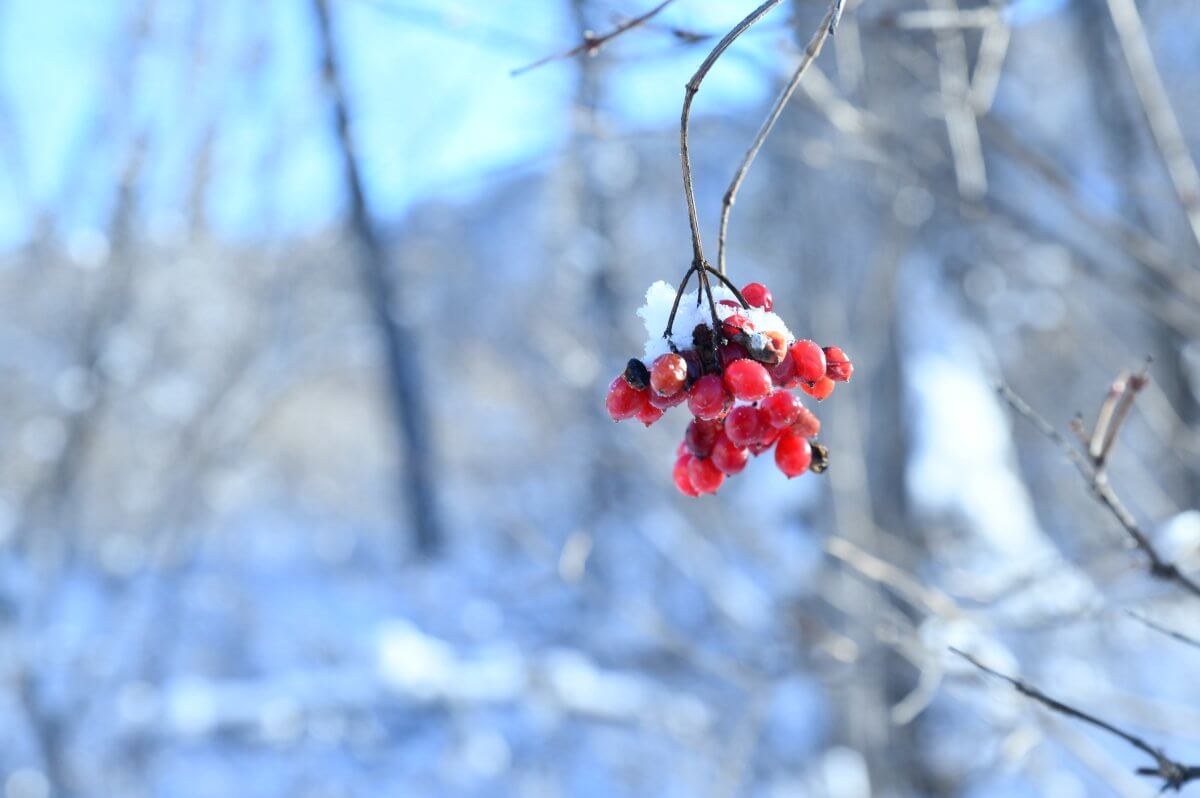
(656, 311)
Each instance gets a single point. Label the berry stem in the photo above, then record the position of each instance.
(693, 86)
(675, 307)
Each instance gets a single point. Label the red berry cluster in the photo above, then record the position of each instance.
(757, 370)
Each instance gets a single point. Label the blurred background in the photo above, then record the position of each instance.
(307, 312)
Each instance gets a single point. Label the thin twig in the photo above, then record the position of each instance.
(1180, 636)
(1173, 774)
(823, 32)
(693, 86)
(592, 43)
(1097, 482)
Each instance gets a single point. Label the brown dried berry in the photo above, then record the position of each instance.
(636, 374)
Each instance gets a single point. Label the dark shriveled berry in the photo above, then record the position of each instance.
(705, 344)
(636, 374)
(820, 458)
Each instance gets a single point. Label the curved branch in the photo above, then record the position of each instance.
(692, 87)
(823, 32)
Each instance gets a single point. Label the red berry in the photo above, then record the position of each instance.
(665, 402)
(649, 414)
(668, 374)
(700, 436)
(784, 375)
(782, 409)
(769, 435)
(731, 352)
(807, 424)
(705, 476)
(680, 474)
(837, 366)
(793, 455)
(759, 296)
(732, 325)
(810, 361)
(743, 426)
(728, 303)
(623, 401)
(728, 458)
(708, 398)
(748, 380)
(681, 449)
(820, 389)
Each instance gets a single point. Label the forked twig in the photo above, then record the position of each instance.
(1097, 481)
(1174, 774)
(592, 43)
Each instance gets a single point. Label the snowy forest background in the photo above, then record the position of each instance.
(307, 311)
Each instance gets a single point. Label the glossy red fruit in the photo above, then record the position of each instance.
(748, 380)
(705, 476)
(759, 296)
(820, 389)
(793, 454)
(682, 480)
(837, 366)
(649, 414)
(810, 361)
(623, 401)
(729, 303)
(770, 436)
(781, 408)
(668, 374)
(732, 325)
(666, 402)
(784, 375)
(807, 424)
(727, 457)
(743, 426)
(700, 436)
(708, 397)
(731, 352)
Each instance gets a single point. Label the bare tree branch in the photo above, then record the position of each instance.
(592, 43)
(380, 289)
(1173, 774)
(1169, 632)
(1097, 482)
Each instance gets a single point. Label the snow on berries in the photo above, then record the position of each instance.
(735, 364)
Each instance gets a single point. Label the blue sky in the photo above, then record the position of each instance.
(436, 109)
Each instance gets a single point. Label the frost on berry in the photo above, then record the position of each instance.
(793, 454)
(759, 296)
(668, 375)
(729, 458)
(837, 366)
(682, 480)
(708, 398)
(705, 476)
(743, 426)
(623, 401)
(748, 380)
(737, 366)
(810, 361)
(820, 389)
(649, 414)
(782, 409)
